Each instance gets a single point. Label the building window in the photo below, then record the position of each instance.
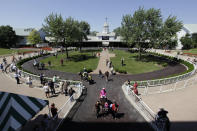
(105, 37)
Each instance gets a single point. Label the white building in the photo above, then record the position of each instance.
(187, 28)
(105, 37)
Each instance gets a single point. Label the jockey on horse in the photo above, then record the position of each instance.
(103, 93)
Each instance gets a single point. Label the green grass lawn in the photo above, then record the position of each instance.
(6, 51)
(77, 61)
(193, 51)
(10, 51)
(135, 66)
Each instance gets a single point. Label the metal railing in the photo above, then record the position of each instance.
(65, 109)
(162, 85)
(144, 109)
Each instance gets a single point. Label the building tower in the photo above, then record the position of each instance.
(105, 27)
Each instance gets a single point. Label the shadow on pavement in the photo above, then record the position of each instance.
(105, 126)
(78, 103)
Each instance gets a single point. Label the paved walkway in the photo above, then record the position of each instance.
(181, 104)
(104, 55)
(8, 84)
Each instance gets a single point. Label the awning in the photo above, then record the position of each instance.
(16, 110)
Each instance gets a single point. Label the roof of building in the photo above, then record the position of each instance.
(105, 34)
(191, 28)
(22, 31)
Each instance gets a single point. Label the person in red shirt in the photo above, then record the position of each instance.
(114, 108)
(135, 88)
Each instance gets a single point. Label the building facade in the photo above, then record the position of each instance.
(187, 29)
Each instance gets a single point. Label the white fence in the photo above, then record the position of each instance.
(144, 109)
(167, 84)
(145, 90)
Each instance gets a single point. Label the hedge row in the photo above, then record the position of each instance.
(20, 63)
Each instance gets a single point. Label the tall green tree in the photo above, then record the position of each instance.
(194, 38)
(169, 31)
(146, 29)
(8, 37)
(187, 42)
(154, 24)
(117, 31)
(135, 30)
(54, 27)
(62, 31)
(70, 32)
(83, 31)
(34, 37)
(93, 33)
(126, 29)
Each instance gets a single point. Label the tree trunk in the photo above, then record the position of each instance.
(66, 48)
(80, 46)
(66, 52)
(139, 53)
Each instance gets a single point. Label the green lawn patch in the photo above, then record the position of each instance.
(135, 66)
(192, 51)
(76, 62)
(12, 51)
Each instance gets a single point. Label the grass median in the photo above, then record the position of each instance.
(75, 63)
(134, 66)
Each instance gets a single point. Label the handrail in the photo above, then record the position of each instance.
(143, 108)
(55, 123)
(157, 82)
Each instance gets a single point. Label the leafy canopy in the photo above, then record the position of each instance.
(34, 37)
(8, 37)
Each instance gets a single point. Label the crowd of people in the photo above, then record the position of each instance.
(49, 87)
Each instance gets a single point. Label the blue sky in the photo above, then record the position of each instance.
(31, 13)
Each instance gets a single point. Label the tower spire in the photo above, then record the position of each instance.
(106, 19)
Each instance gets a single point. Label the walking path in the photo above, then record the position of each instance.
(181, 104)
(104, 55)
(8, 84)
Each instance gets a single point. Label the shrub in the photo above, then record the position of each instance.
(20, 63)
(121, 71)
(88, 70)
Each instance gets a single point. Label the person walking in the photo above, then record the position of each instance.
(54, 111)
(107, 76)
(54, 78)
(41, 79)
(66, 88)
(2, 68)
(100, 74)
(114, 108)
(62, 62)
(29, 81)
(51, 86)
(61, 87)
(46, 90)
(16, 76)
(122, 61)
(49, 63)
(71, 92)
(97, 108)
